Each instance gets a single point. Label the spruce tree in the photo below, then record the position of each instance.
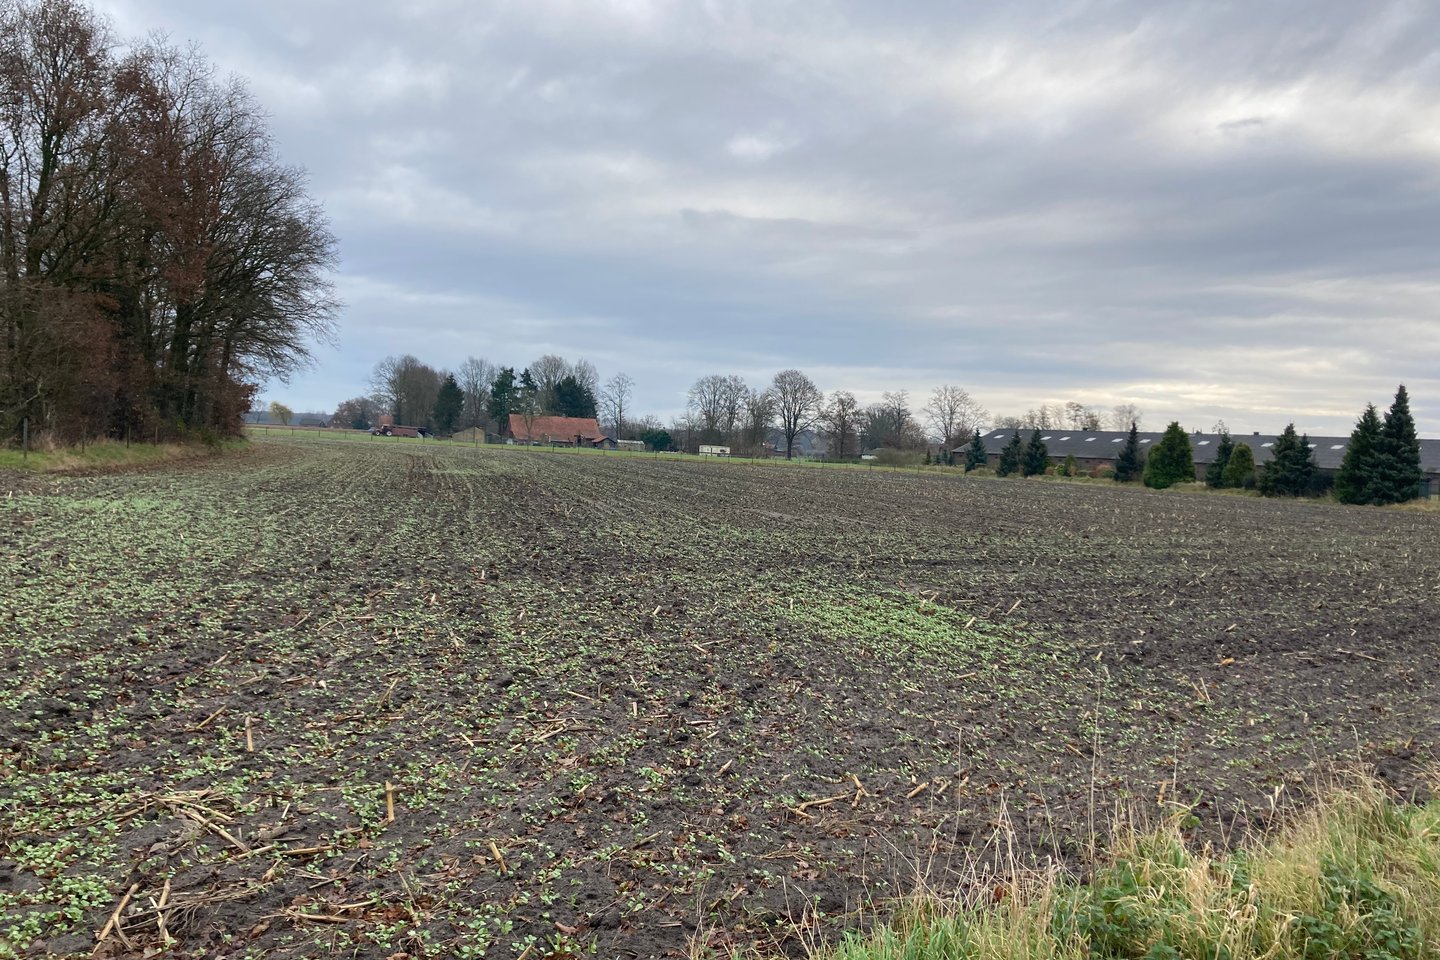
(1400, 451)
(1215, 473)
(1291, 466)
(502, 397)
(1010, 456)
(976, 455)
(1240, 468)
(1037, 458)
(449, 402)
(1171, 461)
(1127, 466)
(1359, 479)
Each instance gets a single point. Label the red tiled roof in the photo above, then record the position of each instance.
(558, 429)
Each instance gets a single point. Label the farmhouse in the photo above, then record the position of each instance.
(1100, 448)
(557, 431)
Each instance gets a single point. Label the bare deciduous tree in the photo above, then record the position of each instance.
(156, 258)
(1122, 415)
(759, 416)
(798, 403)
(587, 376)
(474, 375)
(615, 400)
(717, 401)
(842, 422)
(547, 372)
(1080, 417)
(954, 415)
(406, 389)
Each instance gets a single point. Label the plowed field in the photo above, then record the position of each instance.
(380, 700)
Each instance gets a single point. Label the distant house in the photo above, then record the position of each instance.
(1100, 448)
(713, 450)
(557, 432)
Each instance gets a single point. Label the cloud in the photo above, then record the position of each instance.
(1209, 211)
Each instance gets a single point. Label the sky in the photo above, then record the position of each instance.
(1209, 210)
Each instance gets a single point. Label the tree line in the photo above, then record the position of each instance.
(1382, 462)
(480, 394)
(721, 409)
(157, 259)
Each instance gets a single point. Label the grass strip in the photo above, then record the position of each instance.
(1354, 875)
(104, 455)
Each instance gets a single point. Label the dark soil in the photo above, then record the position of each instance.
(650, 706)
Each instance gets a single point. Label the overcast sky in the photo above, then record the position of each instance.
(1210, 210)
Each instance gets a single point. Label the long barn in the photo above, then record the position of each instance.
(1093, 449)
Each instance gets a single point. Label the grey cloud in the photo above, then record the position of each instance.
(1182, 206)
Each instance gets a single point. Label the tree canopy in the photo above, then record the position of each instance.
(1171, 461)
(1011, 456)
(449, 403)
(1291, 468)
(1382, 461)
(157, 259)
(1037, 457)
(1129, 463)
(1215, 473)
(976, 455)
(1400, 448)
(503, 391)
(1240, 468)
(573, 398)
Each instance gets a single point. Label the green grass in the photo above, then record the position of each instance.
(105, 455)
(1356, 875)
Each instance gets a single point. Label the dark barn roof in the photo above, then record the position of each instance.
(1106, 445)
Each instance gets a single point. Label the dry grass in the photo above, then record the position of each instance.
(105, 455)
(1354, 875)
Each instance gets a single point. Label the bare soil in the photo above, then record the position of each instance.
(388, 701)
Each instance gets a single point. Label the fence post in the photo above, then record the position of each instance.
(25, 439)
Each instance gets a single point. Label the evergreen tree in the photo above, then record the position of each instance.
(1215, 473)
(1171, 461)
(573, 398)
(1010, 456)
(657, 439)
(1127, 466)
(1240, 468)
(1360, 479)
(448, 404)
(1400, 451)
(502, 397)
(976, 454)
(1037, 458)
(1291, 466)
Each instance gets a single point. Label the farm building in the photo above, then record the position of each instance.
(713, 450)
(635, 446)
(1100, 448)
(557, 432)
